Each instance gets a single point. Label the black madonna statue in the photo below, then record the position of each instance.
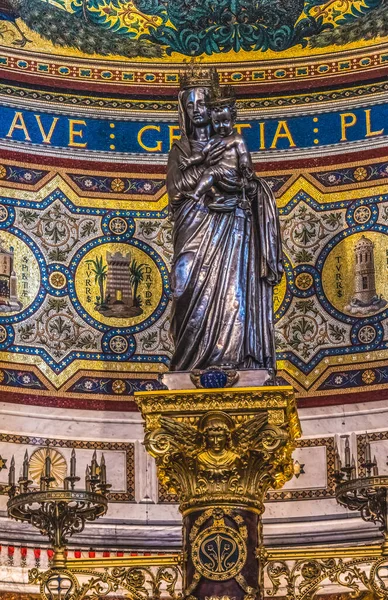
(227, 245)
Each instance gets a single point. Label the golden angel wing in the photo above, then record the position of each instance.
(182, 433)
(250, 431)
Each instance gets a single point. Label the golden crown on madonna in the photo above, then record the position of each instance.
(196, 75)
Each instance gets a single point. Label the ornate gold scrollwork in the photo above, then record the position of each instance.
(138, 583)
(306, 578)
(218, 598)
(55, 583)
(230, 454)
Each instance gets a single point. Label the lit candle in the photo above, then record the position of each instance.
(25, 466)
(73, 464)
(11, 474)
(47, 472)
(368, 454)
(103, 470)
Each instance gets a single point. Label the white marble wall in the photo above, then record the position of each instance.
(304, 513)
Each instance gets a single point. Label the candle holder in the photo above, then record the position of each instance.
(368, 495)
(61, 513)
(58, 513)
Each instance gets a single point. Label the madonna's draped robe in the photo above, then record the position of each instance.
(224, 268)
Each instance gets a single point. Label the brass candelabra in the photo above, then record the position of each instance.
(367, 494)
(58, 514)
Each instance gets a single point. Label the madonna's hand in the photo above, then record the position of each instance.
(215, 153)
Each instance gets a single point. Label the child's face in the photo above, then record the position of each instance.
(222, 122)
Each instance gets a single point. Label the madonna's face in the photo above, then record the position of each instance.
(196, 108)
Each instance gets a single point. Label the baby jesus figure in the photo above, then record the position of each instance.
(234, 166)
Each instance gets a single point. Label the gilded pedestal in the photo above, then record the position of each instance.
(220, 450)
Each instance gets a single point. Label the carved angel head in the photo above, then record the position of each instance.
(216, 428)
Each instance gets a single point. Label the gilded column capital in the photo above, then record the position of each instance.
(224, 446)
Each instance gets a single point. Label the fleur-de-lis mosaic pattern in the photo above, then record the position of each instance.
(326, 331)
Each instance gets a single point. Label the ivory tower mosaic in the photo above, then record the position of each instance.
(365, 280)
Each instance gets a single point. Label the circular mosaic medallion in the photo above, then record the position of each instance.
(118, 284)
(19, 274)
(360, 174)
(355, 274)
(304, 281)
(3, 213)
(57, 280)
(3, 334)
(367, 334)
(118, 225)
(362, 214)
(219, 553)
(118, 344)
(118, 386)
(368, 376)
(117, 185)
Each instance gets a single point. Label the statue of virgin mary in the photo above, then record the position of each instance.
(225, 264)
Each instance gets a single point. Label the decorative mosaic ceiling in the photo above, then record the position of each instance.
(173, 30)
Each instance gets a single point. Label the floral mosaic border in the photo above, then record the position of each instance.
(305, 98)
(69, 69)
(151, 186)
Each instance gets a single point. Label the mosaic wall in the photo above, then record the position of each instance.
(145, 28)
(84, 287)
